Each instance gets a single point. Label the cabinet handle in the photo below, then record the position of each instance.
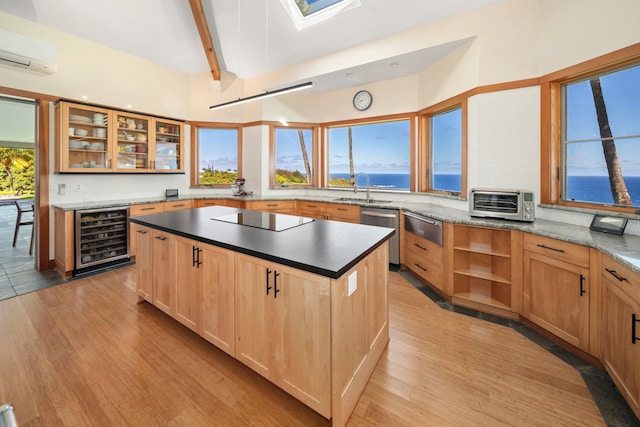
(161, 238)
(267, 280)
(342, 209)
(550, 248)
(275, 284)
(141, 232)
(193, 256)
(582, 291)
(109, 163)
(615, 274)
(634, 320)
(178, 206)
(420, 247)
(272, 205)
(312, 206)
(147, 209)
(420, 267)
(198, 262)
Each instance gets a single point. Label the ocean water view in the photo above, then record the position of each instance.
(596, 189)
(593, 189)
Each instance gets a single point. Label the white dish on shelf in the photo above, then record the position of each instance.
(75, 144)
(76, 165)
(82, 119)
(81, 132)
(99, 132)
(97, 146)
(97, 166)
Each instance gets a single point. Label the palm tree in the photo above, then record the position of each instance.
(305, 156)
(352, 173)
(616, 181)
(14, 158)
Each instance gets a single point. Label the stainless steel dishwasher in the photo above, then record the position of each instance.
(425, 227)
(389, 218)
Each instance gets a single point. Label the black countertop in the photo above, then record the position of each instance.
(327, 248)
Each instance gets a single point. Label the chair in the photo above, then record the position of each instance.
(23, 207)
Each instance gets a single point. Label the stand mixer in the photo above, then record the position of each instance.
(238, 188)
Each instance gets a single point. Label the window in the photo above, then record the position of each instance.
(601, 138)
(444, 145)
(305, 13)
(292, 156)
(218, 155)
(382, 150)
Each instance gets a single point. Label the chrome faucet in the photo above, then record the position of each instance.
(355, 185)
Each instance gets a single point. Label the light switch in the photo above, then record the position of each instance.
(352, 283)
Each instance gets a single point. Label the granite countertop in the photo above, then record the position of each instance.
(327, 248)
(624, 249)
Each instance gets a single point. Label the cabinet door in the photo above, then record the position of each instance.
(253, 315)
(218, 278)
(164, 271)
(302, 336)
(621, 356)
(556, 297)
(131, 143)
(166, 150)
(345, 213)
(188, 306)
(145, 261)
(82, 138)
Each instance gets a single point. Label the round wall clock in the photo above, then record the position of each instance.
(362, 100)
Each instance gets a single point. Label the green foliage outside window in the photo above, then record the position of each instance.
(214, 176)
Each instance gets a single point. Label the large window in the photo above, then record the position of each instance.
(601, 138)
(292, 156)
(443, 144)
(218, 155)
(382, 150)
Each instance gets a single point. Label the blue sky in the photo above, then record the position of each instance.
(621, 93)
(218, 147)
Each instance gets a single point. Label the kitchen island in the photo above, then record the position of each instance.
(302, 302)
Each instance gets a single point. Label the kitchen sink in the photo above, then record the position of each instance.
(360, 200)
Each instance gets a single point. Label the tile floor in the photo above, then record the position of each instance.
(17, 269)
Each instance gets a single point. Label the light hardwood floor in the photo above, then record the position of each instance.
(86, 353)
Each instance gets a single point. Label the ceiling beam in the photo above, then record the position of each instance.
(205, 36)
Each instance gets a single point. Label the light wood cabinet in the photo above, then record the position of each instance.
(188, 293)
(424, 258)
(64, 242)
(331, 211)
(487, 269)
(203, 203)
(621, 329)
(144, 236)
(177, 205)
(273, 206)
(164, 271)
(557, 288)
(136, 210)
(279, 334)
(93, 139)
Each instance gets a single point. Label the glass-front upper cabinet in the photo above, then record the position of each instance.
(132, 142)
(83, 138)
(95, 139)
(168, 153)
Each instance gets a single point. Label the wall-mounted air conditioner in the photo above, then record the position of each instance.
(24, 52)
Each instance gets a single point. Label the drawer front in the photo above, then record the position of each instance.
(146, 209)
(311, 213)
(627, 280)
(423, 248)
(203, 203)
(425, 269)
(343, 213)
(557, 249)
(178, 205)
(311, 207)
(272, 206)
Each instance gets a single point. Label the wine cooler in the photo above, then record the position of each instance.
(102, 238)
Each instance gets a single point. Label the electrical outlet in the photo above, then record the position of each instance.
(352, 283)
(62, 189)
(77, 187)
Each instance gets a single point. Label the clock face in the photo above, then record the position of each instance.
(362, 100)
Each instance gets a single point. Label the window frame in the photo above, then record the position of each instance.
(314, 150)
(424, 146)
(411, 117)
(195, 151)
(552, 124)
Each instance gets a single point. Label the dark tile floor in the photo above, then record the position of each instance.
(18, 275)
(612, 406)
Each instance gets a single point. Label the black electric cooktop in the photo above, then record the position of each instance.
(264, 220)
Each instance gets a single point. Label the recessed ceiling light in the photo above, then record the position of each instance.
(393, 64)
(349, 75)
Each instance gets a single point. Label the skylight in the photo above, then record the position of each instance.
(305, 13)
